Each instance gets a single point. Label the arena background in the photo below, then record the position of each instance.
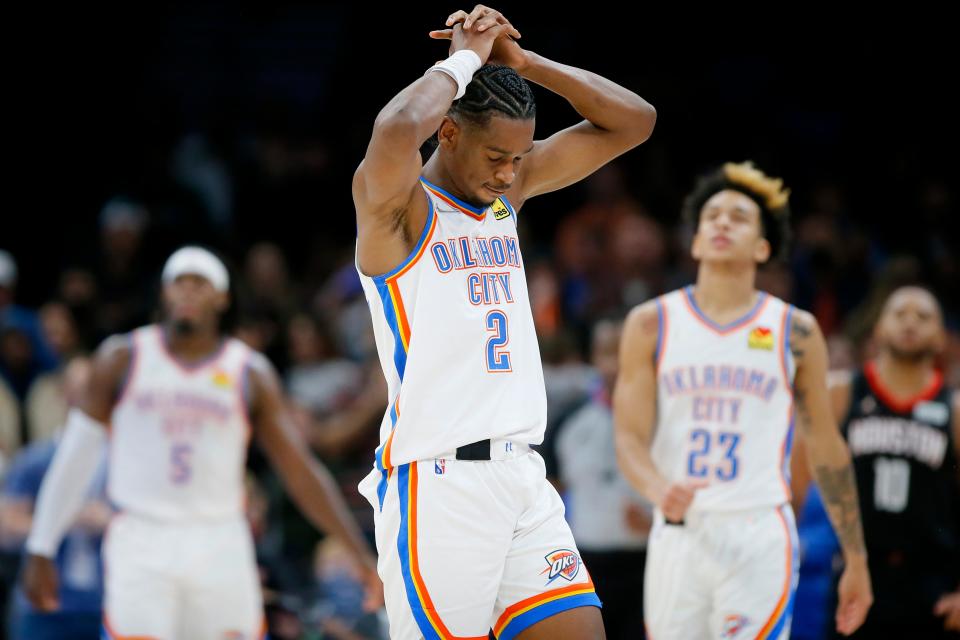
(137, 129)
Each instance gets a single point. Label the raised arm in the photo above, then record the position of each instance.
(615, 121)
(615, 118)
(391, 209)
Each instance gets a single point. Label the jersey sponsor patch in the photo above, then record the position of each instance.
(936, 413)
(562, 563)
(760, 338)
(222, 379)
(500, 210)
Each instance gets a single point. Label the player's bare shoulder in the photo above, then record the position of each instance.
(114, 357)
(262, 375)
(641, 329)
(378, 205)
(387, 229)
(111, 369)
(804, 334)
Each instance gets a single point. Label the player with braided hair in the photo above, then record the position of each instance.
(471, 537)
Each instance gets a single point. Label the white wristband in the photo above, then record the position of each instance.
(460, 66)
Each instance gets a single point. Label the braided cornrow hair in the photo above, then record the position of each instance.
(495, 89)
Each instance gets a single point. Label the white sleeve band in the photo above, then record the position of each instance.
(460, 66)
(66, 483)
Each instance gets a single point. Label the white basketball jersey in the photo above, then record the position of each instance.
(725, 402)
(179, 433)
(455, 336)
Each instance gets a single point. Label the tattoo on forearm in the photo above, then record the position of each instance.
(799, 332)
(839, 491)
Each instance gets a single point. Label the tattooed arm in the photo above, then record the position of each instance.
(831, 466)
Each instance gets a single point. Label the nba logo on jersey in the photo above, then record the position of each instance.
(732, 624)
(562, 563)
(761, 338)
(440, 466)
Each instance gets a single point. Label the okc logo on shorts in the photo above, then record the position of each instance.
(732, 624)
(562, 563)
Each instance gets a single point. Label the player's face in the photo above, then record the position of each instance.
(911, 326)
(730, 230)
(485, 161)
(191, 301)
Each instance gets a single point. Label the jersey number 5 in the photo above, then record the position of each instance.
(180, 470)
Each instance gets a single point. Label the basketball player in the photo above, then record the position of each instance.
(712, 378)
(179, 402)
(903, 429)
(471, 536)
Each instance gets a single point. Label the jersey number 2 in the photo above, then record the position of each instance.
(498, 360)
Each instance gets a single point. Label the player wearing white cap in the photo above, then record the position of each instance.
(179, 401)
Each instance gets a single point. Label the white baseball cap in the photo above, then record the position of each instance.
(198, 262)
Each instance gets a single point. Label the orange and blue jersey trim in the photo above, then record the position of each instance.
(783, 611)
(417, 251)
(661, 333)
(395, 314)
(723, 329)
(424, 612)
(787, 447)
(477, 213)
(383, 454)
(524, 614)
(509, 206)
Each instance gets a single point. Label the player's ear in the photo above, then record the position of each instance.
(696, 249)
(940, 342)
(761, 251)
(223, 301)
(449, 133)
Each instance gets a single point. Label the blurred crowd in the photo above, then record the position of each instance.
(300, 302)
